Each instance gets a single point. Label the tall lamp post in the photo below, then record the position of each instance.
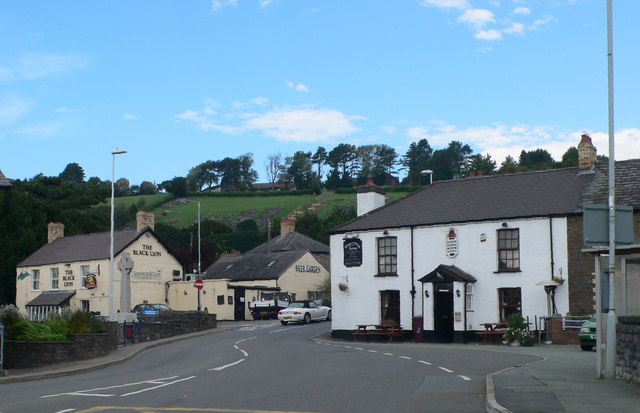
(111, 262)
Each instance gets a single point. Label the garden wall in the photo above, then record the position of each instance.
(628, 348)
(23, 354)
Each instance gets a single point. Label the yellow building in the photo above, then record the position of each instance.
(73, 272)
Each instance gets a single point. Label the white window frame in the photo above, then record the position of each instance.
(55, 278)
(85, 270)
(468, 297)
(35, 280)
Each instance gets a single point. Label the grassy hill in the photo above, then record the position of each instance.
(232, 209)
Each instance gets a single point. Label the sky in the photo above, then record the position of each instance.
(177, 83)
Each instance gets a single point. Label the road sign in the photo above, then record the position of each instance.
(199, 284)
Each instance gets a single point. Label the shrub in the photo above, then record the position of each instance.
(83, 322)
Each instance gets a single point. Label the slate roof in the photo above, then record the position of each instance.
(269, 260)
(293, 241)
(4, 181)
(51, 298)
(627, 184)
(84, 247)
(495, 197)
(447, 274)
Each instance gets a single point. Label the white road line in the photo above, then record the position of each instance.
(388, 354)
(66, 411)
(225, 366)
(424, 362)
(278, 331)
(235, 346)
(358, 348)
(447, 370)
(245, 339)
(404, 357)
(372, 351)
(464, 377)
(117, 386)
(157, 387)
(348, 346)
(245, 353)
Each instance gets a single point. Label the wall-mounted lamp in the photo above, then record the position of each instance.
(385, 233)
(504, 225)
(426, 293)
(458, 293)
(67, 265)
(184, 292)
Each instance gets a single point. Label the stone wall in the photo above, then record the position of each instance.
(628, 348)
(23, 354)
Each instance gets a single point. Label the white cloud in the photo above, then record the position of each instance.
(259, 101)
(302, 125)
(537, 23)
(491, 34)
(447, 4)
(128, 116)
(65, 110)
(477, 18)
(31, 66)
(219, 4)
(389, 129)
(265, 3)
(188, 115)
(300, 87)
(13, 108)
(517, 28)
(521, 10)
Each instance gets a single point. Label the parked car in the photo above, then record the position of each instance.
(323, 301)
(587, 335)
(150, 309)
(304, 311)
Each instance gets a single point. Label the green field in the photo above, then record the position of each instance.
(231, 210)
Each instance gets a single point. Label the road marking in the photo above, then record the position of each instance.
(66, 411)
(372, 351)
(157, 387)
(148, 409)
(404, 357)
(348, 346)
(245, 353)
(358, 348)
(245, 339)
(388, 354)
(225, 366)
(447, 370)
(278, 331)
(117, 386)
(424, 362)
(464, 377)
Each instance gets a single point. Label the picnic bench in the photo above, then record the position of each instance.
(388, 330)
(494, 330)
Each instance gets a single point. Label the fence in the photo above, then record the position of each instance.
(560, 329)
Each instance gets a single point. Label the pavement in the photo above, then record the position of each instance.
(563, 380)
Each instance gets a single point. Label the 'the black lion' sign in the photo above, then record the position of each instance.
(352, 252)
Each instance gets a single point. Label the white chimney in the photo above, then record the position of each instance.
(55, 230)
(370, 196)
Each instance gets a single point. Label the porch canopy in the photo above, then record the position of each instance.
(446, 274)
(51, 298)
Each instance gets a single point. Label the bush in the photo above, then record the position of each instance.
(518, 331)
(55, 328)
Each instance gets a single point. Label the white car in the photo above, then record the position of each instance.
(304, 312)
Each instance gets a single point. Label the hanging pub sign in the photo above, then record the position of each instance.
(352, 252)
(90, 282)
(452, 243)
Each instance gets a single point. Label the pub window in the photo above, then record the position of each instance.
(508, 250)
(84, 271)
(84, 305)
(230, 299)
(221, 300)
(510, 302)
(388, 256)
(55, 278)
(35, 281)
(390, 307)
(468, 295)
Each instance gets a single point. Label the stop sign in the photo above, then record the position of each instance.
(199, 284)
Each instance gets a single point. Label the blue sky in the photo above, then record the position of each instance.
(176, 83)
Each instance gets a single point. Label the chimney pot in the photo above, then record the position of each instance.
(587, 153)
(144, 219)
(287, 225)
(55, 230)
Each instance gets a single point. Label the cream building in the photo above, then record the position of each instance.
(73, 272)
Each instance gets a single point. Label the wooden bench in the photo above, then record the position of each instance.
(494, 330)
(388, 330)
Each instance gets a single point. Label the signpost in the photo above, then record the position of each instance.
(2, 371)
(199, 284)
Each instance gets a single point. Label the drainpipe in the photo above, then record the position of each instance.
(551, 245)
(413, 286)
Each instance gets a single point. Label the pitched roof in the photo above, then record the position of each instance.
(627, 184)
(293, 241)
(84, 247)
(4, 181)
(495, 197)
(269, 260)
(447, 274)
(51, 298)
(249, 267)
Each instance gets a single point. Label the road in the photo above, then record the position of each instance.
(266, 367)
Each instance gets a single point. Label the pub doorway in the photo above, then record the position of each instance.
(443, 312)
(239, 304)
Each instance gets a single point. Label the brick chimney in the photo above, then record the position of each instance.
(144, 219)
(370, 196)
(55, 230)
(587, 153)
(287, 225)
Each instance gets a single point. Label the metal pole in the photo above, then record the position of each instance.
(111, 247)
(610, 349)
(199, 269)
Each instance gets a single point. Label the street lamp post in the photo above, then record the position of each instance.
(111, 262)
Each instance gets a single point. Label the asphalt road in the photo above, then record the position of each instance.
(266, 367)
